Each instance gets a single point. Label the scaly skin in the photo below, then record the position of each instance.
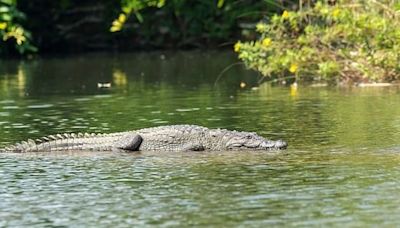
(164, 138)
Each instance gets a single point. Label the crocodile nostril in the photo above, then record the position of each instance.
(281, 144)
(267, 144)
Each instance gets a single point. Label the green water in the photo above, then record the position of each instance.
(341, 167)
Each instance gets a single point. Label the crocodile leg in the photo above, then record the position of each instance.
(130, 141)
(193, 147)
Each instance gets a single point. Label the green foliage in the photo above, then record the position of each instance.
(11, 30)
(133, 6)
(350, 41)
(75, 26)
(181, 23)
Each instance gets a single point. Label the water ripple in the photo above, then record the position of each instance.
(36, 106)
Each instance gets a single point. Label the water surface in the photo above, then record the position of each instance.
(341, 167)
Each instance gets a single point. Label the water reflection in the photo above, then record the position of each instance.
(80, 74)
(120, 79)
(13, 83)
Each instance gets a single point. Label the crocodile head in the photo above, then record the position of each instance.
(252, 141)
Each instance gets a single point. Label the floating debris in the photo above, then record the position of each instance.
(374, 84)
(40, 106)
(319, 85)
(104, 85)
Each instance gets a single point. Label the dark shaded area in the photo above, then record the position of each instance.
(70, 26)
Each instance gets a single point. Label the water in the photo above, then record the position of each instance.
(341, 167)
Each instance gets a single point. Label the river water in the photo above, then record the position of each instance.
(341, 167)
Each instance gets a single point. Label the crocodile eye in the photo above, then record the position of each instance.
(213, 134)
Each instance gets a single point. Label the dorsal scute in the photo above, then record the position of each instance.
(52, 137)
(18, 146)
(25, 145)
(45, 139)
(11, 148)
(50, 142)
(31, 142)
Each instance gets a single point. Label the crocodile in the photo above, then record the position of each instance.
(162, 138)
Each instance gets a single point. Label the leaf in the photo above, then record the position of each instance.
(8, 2)
(397, 6)
(4, 9)
(5, 17)
(274, 3)
(3, 25)
(139, 17)
(127, 10)
(220, 3)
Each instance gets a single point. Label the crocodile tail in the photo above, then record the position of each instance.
(52, 142)
(23, 146)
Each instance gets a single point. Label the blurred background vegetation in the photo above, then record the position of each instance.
(342, 41)
(67, 26)
(304, 40)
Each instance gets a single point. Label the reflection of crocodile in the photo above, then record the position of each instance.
(164, 138)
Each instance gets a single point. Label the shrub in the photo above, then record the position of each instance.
(196, 23)
(350, 41)
(11, 31)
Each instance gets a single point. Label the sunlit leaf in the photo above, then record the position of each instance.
(220, 3)
(4, 9)
(5, 17)
(139, 17)
(8, 2)
(3, 26)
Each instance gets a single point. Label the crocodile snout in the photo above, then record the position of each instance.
(279, 144)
